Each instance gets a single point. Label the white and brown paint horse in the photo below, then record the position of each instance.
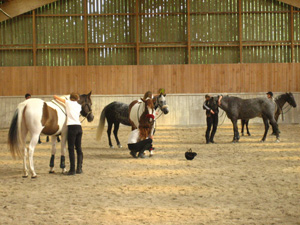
(140, 108)
(39, 117)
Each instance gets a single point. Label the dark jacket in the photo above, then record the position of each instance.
(209, 105)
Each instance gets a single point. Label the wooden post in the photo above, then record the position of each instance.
(34, 49)
(86, 49)
(137, 33)
(292, 34)
(240, 31)
(189, 31)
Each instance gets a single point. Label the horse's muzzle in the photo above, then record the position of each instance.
(165, 109)
(90, 117)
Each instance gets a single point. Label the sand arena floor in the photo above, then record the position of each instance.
(244, 183)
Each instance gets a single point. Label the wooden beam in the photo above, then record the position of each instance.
(14, 8)
(137, 32)
(189, 31)
(295, 3)
(240, 31)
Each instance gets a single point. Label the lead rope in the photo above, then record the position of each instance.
(221, 117)
(84, 117)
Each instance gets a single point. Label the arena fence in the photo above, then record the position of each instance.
(185, 109)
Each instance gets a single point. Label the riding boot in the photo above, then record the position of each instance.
(207, 138)
(72, 165)
(211, 139)
(79, 163)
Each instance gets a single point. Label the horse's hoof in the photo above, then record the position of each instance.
(242, 134)
(33, 177)
(24, 176)
(111, 146)
(249, 134)
(261, 141)
(120, 146)
(51, 171)
(277, 140)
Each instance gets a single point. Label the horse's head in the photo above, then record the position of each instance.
(149, 106)
(86, 106)
(291, 99)
(160, 102)
(213, 103)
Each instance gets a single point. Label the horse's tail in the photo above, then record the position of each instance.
(101, 124)
(15, 141)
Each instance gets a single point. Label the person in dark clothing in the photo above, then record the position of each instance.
(212, 118)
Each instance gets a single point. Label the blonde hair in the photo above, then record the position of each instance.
(74, 96)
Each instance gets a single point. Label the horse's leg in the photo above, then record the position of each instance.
(275, 128)
(236, 136)
(109, 127)
(116, 128)
(63, 142)
(243, 124)
(247, 127)
(33, 142)
(25, 170)
(266, 123)
(53, 151)
(24, 132)
(276, 119)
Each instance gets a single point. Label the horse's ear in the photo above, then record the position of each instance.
(89, 94)
(165, 95)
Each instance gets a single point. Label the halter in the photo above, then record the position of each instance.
(87, 114)
(289, 106)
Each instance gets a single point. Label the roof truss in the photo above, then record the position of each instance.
(295, 3)
(12, 8)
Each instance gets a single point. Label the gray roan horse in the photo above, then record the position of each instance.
(118, 112)
(245, 109)
(37, 116)
(280, 101)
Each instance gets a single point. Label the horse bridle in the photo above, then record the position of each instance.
(157, 104)
(88, 113)
(289, 107)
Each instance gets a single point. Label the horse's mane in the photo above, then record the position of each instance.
(145, 125)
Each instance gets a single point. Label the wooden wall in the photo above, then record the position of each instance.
(112, 80)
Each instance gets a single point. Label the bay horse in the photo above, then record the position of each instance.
(39, 117)
(118, 112)
(280, 100)
(245, 109)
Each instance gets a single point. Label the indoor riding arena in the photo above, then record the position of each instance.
(179, 67)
